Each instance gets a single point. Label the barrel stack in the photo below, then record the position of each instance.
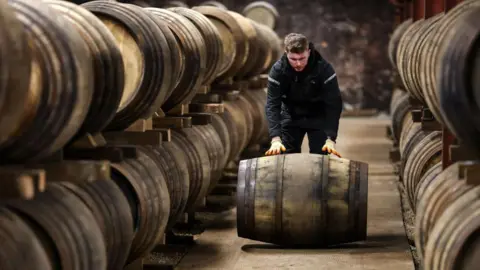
(119, 121)
(435, 132)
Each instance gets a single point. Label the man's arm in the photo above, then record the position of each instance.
(333, 103)
(274, 102)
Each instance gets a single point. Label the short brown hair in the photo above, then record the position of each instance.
(295, 43)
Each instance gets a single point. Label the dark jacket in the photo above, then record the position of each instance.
(308, 99)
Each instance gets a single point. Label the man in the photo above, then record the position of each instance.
(303, 98)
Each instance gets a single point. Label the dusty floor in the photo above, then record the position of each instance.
(361, 139)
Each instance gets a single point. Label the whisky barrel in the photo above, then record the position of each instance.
(434, 198)
(399, 110)
(453, 242)
(424, 154)
(108, 65)
(432, 57)
(198, 163)
(224, 134)
(143, 183)
(213, 42)
(215, 151)
(275, 45)
(192, 45)
(257, 110)
(112, 213)
(302, 199)
(427, 178)
(252, 46)
(265, 51)
(214, 4)
(236, 122)
(21, 247)
(395, 39)
(143, 47)
(172, 161)
(171, 4)
(409, 129)
(262, 12)
(61, 84)
(458, 98)
(66, 227)
(15, 72)
(414, 137)
(233, 39)
(246, 107)
(413, 51)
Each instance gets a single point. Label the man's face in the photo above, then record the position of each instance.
(298, 60)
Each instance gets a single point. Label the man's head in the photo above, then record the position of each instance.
(297, 50)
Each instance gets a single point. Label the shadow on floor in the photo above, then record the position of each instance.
(373, 244)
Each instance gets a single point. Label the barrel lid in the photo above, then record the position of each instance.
(262, 12)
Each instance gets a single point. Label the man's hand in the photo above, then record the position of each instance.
(276, 148)
(329, 147)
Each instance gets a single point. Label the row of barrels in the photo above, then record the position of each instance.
(437, 61)
(445, 207)
(69, 70)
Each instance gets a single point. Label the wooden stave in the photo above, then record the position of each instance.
(75, 240)
(247, 108)
(142, 181)
(174, 162)
(446, 249)
(245, 188)
(212, 39)
(15, 72)
(456, 94)
(149, 94)
(58, 109)
(215, 151)
(240, 40)
(194, 50)
(415, 136)
(258, 120)
(236, 121)
(112, 212)
(424, 155)
(437, 38)
(436, 197)
(225, 135)
(200, 173)
(409, 128)
(395, 39)
(20, 244)
(274, 43)
(266, 5)
(107, 62)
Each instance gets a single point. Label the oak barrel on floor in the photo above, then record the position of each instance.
(302, 199)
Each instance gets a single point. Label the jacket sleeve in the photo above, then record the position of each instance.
(274, 101)
(333, 103)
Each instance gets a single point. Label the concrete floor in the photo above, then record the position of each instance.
(361, 139)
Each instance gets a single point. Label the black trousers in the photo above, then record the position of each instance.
(292, 138)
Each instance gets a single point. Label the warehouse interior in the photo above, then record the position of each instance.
(134, 136)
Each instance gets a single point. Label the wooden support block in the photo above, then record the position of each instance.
(141, 125)
(89, 141)
(110, 153)
(206, 108)
(166, 134)
(461, 153)
(415, 103)
(431, 126)
(204, 89)
(21, 183)
(76, 171)
(395, 154)
(242, 85)
(470, 172)
(208, 98)
(148, 137)
(172, 122)
(231, 95)
(200, 119)
(179, 110)
(417, 115)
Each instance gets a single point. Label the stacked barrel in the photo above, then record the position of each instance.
(111, 104)
(437, 60)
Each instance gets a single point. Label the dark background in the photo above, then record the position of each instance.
(353, 35)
